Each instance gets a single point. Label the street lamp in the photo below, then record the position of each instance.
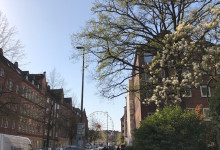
(80, 47)
(107, 130)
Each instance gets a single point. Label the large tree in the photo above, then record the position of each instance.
(12, 47)
(125, 28)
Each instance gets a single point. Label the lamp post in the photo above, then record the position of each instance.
(80, 47)
(107, 130)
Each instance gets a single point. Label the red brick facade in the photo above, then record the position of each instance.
(139, 111)
(27, 104)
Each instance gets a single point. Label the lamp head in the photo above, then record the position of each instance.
(80, 47)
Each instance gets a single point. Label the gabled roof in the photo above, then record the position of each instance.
(23, 74)
(57, 94)
(68, 102)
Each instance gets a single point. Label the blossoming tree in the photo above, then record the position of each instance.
(171, 31)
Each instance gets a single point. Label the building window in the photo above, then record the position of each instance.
(147, 57)
(15, 107)
(23, 91)
(47, 110)
(206, 113)
(26, 92)
(58, 106)
(205, 91)
(8, 106)
(10, 85)
(17, 89)
(150, 113)
(2, 72)
(2, 123)
(188, 91)
(6, 123)
(30, 94)
(13, 124)
(48, 100)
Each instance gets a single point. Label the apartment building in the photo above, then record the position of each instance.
(29, 108)
(22, 102)
(137, 111)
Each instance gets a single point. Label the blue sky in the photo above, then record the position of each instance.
(44, 28)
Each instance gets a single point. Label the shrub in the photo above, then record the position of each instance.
(171, 129)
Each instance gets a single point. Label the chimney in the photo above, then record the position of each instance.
(1, 51)
(16, 64)
(45, 73)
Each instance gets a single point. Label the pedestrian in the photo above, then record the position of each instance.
(104, 148)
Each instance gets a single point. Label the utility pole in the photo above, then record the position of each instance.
(80, 47)
(107, 130)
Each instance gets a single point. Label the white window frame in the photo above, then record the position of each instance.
(48, 100)
(26, 92)
(10, 85)
(17, 89)
(6, 123)
(26, 77)
(190, 90)
(207, 118)
(13, 124)
(23, 91)
(209, 91)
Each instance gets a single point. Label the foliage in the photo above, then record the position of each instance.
(12, 48)
(173, 32)
(215, 112)
(118, 139)
(94, 135)
(180, 62)
(171, 129)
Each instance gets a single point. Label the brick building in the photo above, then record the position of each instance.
(29, 108)
(136, 111)
(22, 102)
